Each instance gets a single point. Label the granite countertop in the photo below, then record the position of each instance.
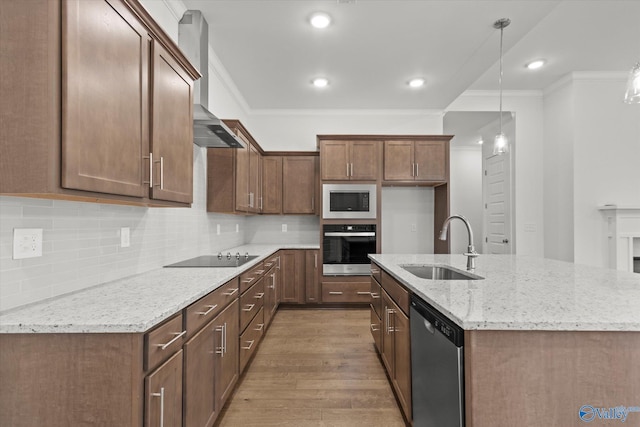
(133, 304)
(526, 293)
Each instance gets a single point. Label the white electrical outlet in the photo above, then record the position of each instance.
(27, 243)
(284, 228)
(530, 227)
(414, 228)
(218, 229)
(125, 237)
(237, 228)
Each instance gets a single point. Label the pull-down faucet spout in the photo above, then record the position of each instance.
(471, 253)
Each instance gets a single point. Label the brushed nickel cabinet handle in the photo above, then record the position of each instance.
(260, 326)
(161, 396)
(363, 293)
(250, 345)
(375, 271)
(224, 339)
(233, 291)
(373, 328)
(335, 293)
(259, 272)
(150, 182)
(347, 169)
(178, 335)
(210, 307)
(417, 170)
(249, 280)
(250, 307)
(220, 350)
(351, 174)
(315, 260)
(374, 295)
(259, 295)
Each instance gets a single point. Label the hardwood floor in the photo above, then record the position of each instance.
(315, 368)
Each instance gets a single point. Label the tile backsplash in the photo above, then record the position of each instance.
(81, 241)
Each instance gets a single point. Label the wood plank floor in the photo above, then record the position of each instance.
(315, 368)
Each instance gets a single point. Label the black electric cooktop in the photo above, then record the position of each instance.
(205, 261)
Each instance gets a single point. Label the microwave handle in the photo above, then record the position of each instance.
(341, 234)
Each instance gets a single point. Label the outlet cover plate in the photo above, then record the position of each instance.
(27, 243)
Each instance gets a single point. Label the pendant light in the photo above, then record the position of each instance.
(632, 95)
(501, 143)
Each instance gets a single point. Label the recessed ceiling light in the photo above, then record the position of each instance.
(320, 82)
(320, 20)
(480, 141)
(416, 83)
(534, 65)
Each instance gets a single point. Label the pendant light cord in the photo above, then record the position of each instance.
(500, 79)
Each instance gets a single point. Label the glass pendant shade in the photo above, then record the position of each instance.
(632, 95)
(500, 144)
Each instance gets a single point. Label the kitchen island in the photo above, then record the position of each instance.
(543, 339)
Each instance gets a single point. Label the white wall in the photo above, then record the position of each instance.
(267, 229)
(402, 208)
(558, 172)
(528, 181)
(466, 196)
(606, 159)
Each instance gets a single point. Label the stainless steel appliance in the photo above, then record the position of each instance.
(345, 249)
(437, 364)
(349, 201)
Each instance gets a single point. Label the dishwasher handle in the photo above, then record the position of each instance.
(430, 328)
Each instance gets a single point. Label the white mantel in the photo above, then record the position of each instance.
(622, 225)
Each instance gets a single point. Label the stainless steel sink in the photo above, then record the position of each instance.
(439, 272)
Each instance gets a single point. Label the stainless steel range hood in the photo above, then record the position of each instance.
(208, 130)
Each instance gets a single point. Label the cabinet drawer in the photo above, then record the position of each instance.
(250, 303)
(162, 341)
(271, 262)
(346, 292)
(376, 329)
(376, 296)
(250, 277)
(206, 308)
(396, 291)
(250, 339)
(376, 272)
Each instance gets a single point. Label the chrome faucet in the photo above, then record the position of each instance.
(471, 253)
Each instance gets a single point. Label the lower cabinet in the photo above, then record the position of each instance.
(163, 394)
(346, 292)
(211, 368)
(292, 284)
(312, 287)
(396, 350)
(271, 295)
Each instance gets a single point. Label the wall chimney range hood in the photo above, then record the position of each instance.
(193, 39)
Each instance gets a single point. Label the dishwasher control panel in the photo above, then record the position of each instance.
(440, 322)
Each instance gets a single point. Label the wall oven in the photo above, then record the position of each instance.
(345, 249)
(349, 201)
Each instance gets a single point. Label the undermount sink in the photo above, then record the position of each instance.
(439, 272)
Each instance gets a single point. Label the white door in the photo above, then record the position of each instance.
(497, 205)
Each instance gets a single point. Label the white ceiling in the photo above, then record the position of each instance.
(374, 47)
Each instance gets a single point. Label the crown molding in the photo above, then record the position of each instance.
(345, 112)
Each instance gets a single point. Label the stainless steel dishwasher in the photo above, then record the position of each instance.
(437, 363)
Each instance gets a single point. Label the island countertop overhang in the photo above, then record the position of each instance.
(525, 293)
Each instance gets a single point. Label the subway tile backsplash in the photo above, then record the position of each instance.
(81, 241)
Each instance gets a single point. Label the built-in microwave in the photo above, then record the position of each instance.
(349, 201)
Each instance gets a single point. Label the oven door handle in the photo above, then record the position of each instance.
(340, 234)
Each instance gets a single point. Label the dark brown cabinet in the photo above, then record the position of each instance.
(127, 139)
(172, 131)
(292, 277)
(349, 160)
(163, 394)
(272, 184)
(299, 184)
(271, 288)
(421, 160)
(312, 285)
(211, 368)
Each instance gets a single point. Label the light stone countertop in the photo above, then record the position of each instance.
(526, 293)
(132, 304)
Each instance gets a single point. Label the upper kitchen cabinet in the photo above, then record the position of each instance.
(424, 160)
(272, 184)
(299, 184)
(234, 177)
(349, 160)
(100, 109)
